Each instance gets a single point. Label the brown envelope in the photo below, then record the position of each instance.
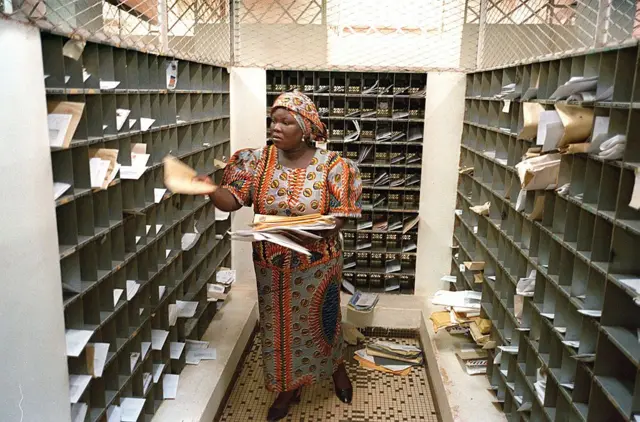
(577, 122)
(67, 107)
(531, 113)
(178, 178)
(539, 173)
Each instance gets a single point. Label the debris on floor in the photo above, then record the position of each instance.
(363, 302)
(462, 317)
(474, 358)
(389, 357)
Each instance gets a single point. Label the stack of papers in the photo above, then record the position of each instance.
(363, 302)
(400, 353)
(389, 136)
(389, 366)
(103, 167)
(216, 292)
(364, 153)
(354, 135)
(226, 276)
(579, 88)
(382, 179)
(286, 231)
(539, 173)
(465, 301)
(139, 160)
(198, 351)
(473, 357)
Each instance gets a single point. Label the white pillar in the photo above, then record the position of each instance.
(248, 130)
(34, 382)
(442, 131)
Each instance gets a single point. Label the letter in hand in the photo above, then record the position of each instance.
(203, 178)
(180, 178)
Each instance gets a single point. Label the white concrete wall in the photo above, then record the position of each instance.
(248, 110)
(34, 382)
(442, 131)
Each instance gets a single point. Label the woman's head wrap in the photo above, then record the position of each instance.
(304, 111)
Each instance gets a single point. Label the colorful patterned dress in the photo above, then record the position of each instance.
(298, 295)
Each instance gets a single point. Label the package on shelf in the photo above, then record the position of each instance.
(481, 209)
(531, 114)
(539, 173)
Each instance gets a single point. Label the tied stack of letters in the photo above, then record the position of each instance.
(389, 357)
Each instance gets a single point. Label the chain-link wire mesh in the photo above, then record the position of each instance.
(393, 35)
(197, 30)
(424, 35)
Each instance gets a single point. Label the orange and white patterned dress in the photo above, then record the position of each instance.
(299, 295)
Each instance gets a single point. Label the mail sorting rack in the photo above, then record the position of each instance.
(583, 247)
(124, 232)
(376, 120)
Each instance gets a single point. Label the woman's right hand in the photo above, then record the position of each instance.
(204, 178)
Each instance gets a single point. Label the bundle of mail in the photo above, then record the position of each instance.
(473, 358)
(389, 357)
(363, 302)
(353, 136)
(461, 315)
(286, 231)
(509, 92)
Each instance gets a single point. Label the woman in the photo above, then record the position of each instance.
(299, 295)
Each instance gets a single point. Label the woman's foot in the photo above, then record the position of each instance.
(342, 384)
(280, 407)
